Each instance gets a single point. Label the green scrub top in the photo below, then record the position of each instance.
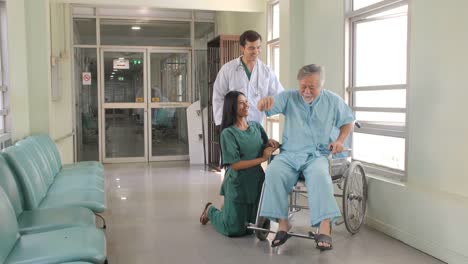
(246, 69)
(242, 186)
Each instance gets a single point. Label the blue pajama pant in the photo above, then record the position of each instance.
(282, 175)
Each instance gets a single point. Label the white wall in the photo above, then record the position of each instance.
(45, 115)
(430, 210)
(324, 40)
(18, 69)
(38, 52)
(292, 41)
(61, 110)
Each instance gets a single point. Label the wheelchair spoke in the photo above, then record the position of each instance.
(355, 198)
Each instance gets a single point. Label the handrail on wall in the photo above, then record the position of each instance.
(71, 134)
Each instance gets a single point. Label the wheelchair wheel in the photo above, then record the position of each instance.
(262, 223)
(354, 197)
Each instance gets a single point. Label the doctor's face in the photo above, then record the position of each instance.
(242, 106)
(251, 50)
(309, 87)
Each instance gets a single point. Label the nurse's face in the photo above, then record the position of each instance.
(242, 106)
(309, 87)
(251, 50)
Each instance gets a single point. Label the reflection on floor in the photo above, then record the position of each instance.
(124, 137)
(89, 151)
(153, 218)
(169, 146)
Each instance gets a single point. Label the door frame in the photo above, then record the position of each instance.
(147, 105)
(152, 105)
(103, 106)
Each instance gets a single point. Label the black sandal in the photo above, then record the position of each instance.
(281, 237)
(324, 239)
(204, 216)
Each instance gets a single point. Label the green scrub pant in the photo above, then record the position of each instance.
(232, 220)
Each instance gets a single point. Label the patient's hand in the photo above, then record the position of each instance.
(266, 103)
(336, 147)
(273, 143)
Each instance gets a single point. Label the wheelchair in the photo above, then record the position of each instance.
(350, 178)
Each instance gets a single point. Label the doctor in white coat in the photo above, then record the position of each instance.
(247, 74)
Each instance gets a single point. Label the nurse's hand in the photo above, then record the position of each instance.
(266, 103)
(336, 147)
(267, 153)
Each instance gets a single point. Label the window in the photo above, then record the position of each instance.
(5, 139)
(273, 40)
(273, 54)
(377, 83)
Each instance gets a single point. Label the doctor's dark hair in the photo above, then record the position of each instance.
(249, 36)
(230, 109)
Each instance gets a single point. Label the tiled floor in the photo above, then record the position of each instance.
(153, 212)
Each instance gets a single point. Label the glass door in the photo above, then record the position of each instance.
(124, 105)
(169, 96)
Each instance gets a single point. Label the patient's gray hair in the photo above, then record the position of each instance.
(311, 69)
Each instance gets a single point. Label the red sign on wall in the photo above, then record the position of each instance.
(86, 77)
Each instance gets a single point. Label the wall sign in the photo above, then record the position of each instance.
(121, 63)
(86, 77)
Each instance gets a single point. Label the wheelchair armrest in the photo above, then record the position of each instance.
(330, 156)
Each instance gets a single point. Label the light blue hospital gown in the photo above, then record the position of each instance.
(306, 136)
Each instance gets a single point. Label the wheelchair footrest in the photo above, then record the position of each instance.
(310, 235)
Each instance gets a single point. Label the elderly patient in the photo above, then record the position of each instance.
(311, 113)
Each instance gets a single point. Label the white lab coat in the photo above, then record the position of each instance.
(232, 77)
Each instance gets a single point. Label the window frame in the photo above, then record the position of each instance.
(352, 19)
(271, 43)
(5, 127)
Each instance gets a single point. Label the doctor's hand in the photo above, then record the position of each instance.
(266, 103)
(336, 147)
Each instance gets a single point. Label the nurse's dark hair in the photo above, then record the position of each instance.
(230, 109)
(249, 36)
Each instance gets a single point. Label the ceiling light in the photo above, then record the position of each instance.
(136, 28)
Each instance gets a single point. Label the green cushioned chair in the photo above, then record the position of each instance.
(48, 152)
(40, 220)
(48, 143)
(93, 200)
(36, 187)
(86, 244)
(59, 182)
